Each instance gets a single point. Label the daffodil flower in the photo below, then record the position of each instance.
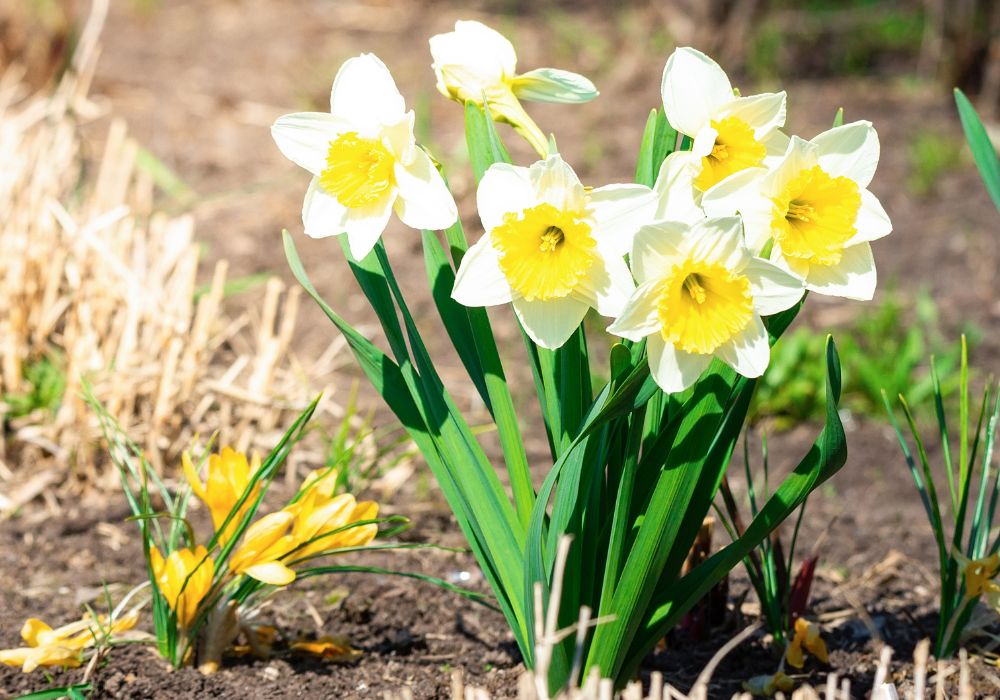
(766, 686)
(61, 646)
(228, 476)
(729, 133)
(701, 295)
(264, 544)
(815, 208)
(552, 248)
(184, 578)
(807, 638)
(475, 61)
(364, 160)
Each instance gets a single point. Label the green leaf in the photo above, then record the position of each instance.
(658, 141)
(982, 148)
(66, 691)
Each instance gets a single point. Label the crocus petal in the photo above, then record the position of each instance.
(608, 286)
(872, 222)
(365, 95)
(763, 113)
(480, 281)
(640, 316)
(364, 226)
(657, 248)
(503, 188)
(854, 277)
(619, 211)
(694, 88)
(556, 183)
(553, 85)
(550, 323)
(748, 352)
(773, 289)
(424, 200)
(273, 572)
(851, 150)
(673, 370)
(304, 138)
(675, 188)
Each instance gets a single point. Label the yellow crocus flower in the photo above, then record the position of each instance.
(61, 646)
(184, 578)
(979, 574)
(318, 516)
(807, 638)
(228, 476)
(264, 544)
(769, 685)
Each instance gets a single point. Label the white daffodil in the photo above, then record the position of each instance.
(552, 248)
(364, 160)
(730, 133)
(701, 295)
(816, 209)
(475, 61)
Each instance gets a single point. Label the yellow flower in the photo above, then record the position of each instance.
(806, 637)
(184, 578)
(61, 646)
(323, 523)
(769, 685)
(228, 476)
(264, 544)
(979, 574)
(475, 61)
(327, 648)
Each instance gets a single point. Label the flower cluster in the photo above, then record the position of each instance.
(739, 224)
(63, 646)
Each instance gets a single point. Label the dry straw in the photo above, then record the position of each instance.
(95, 277)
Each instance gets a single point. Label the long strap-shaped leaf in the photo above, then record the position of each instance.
(982, 149)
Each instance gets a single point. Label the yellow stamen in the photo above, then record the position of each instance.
(358, 170)
(736, 148)
(703, 305)
(814, 216)
(544, 253)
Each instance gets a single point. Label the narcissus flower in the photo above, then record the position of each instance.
(62, 646)
(701, 295)
(264, 544)
(228, 476)
(806, 638)
(184, 578)
(552, 248)
(816, 209)
(364, 160)
(475, 61)
(730, 133)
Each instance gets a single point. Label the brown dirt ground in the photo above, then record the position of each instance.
(199, 81)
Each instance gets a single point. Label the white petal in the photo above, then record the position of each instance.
(657, 248)
(365, 94)
(675, 188)
(550, 323)
(872, 223)
(763, 113)
(618, 212)
(322, 214)
(398, 139)
(719, 239)
(854, 277)
(748, 353)
(851, 150)
(674, 370)
(480, 281)
(776, 144)
(704, 141)
(556, 183)
(554, 85)
(640, 316)
(800, 155)
(364, 226)
(740, 193)
(424, 200)
(304, 138)
(694, 88)
(608, 286)
(773, 289)
(504, 188)
(472, 59)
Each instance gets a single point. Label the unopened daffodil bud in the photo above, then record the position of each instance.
(184, 578)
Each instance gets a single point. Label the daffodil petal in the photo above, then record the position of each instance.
(704, 141)
(673, 370)
(364, 226)
(398, 139)
(640, 316)
(674, 189)
(773, 289)
(304, 138)
(550, 323)
(555, 183)
(748, 352)
(619, 211)
(272, 572)
(854, 277)
(322, 214)
(503, 188)
(608, 286)
(693, 89)
(480, 281)
(719, 239)
(553, 85)
(657, 248)
(471, 60)
(872, 223)
(424, 200)
(800, 155)
(851, 150)
(763, 113)
(365, 95)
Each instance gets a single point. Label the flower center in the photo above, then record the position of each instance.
(358, 171)
(814, 216)
(545, 253)
(735, 149)
(703, 305)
